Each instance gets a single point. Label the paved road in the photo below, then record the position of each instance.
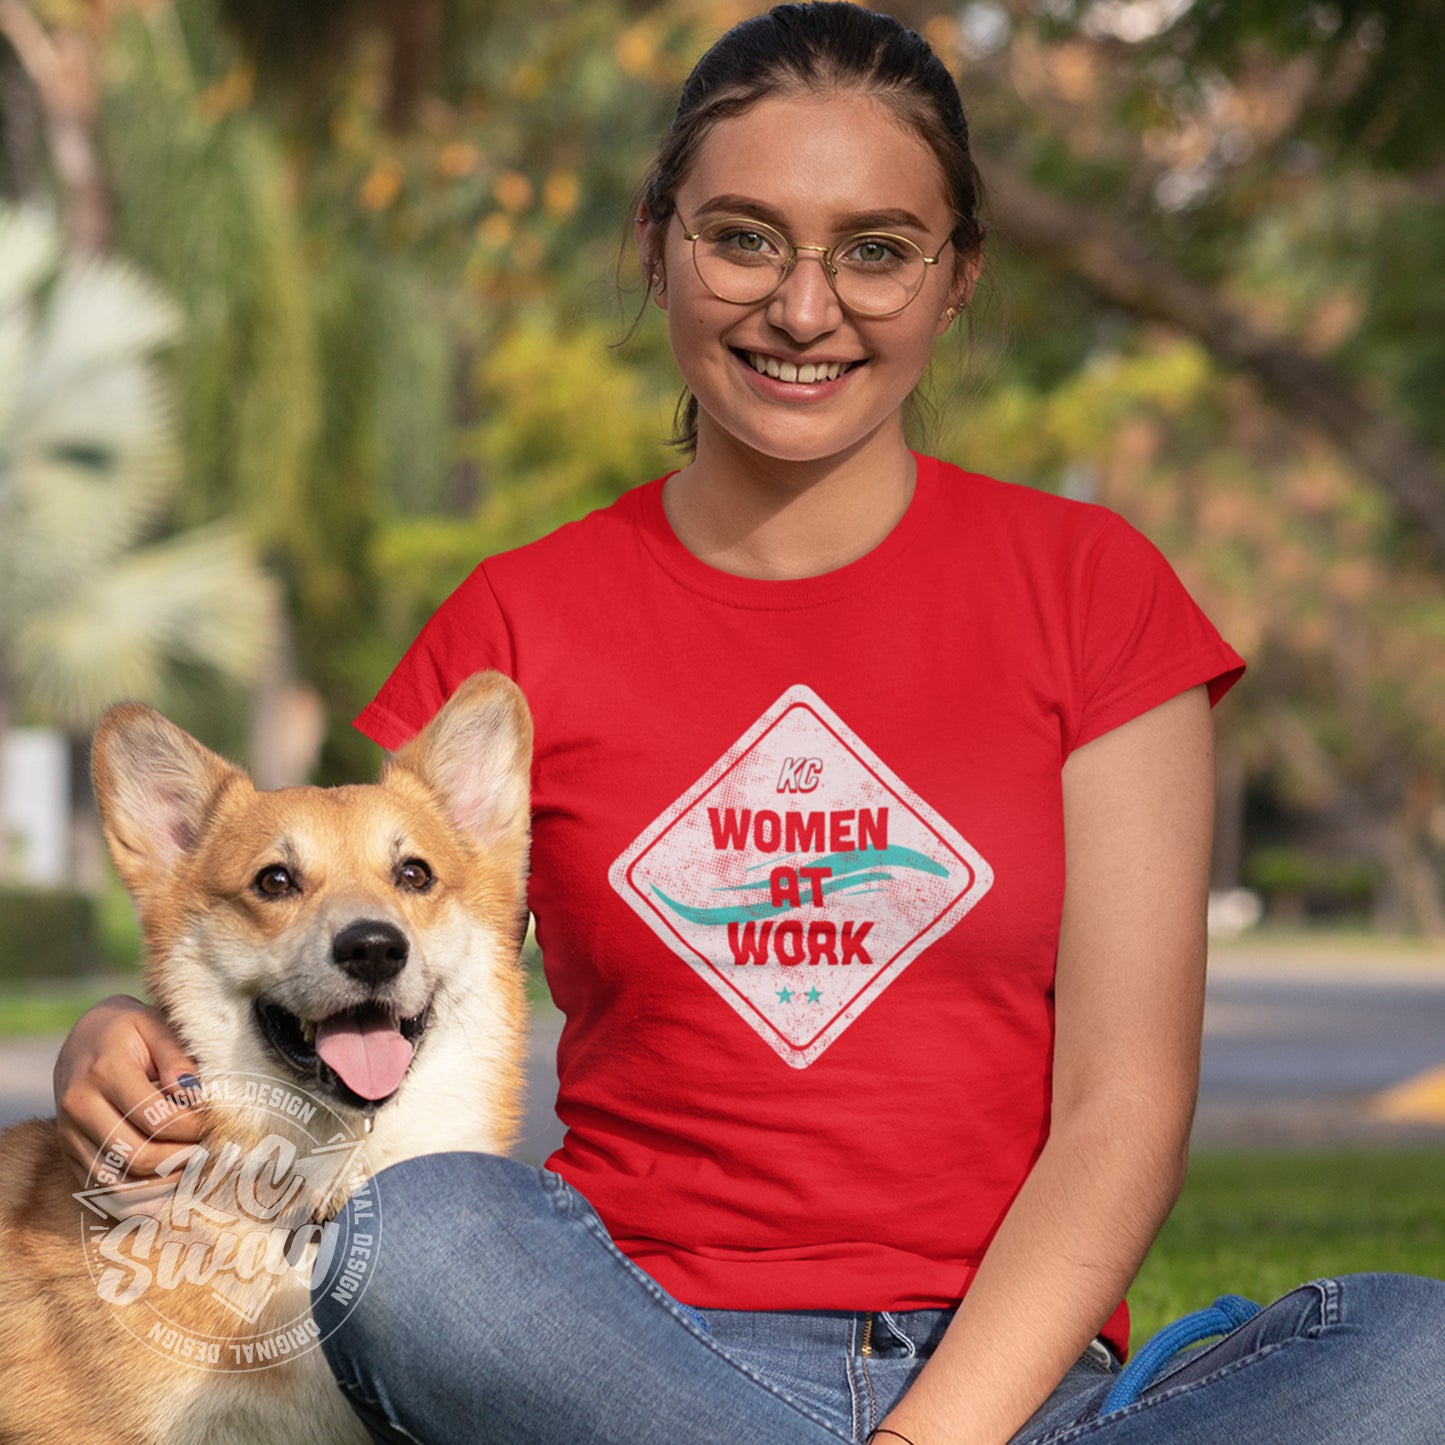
(1296, 1054)
(1303, 1055)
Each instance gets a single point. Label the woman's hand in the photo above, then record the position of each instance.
(111, 1068)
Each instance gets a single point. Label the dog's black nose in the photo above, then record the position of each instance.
(370, 950)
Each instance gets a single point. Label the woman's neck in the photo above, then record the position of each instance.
(756, 516)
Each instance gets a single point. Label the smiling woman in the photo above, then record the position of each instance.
(749, 309)
(853, 155)
(870, 842)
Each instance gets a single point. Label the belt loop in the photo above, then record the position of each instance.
(895, 1328)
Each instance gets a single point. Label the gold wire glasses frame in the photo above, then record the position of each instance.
(872, 273)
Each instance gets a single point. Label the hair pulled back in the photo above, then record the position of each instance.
(823, 47)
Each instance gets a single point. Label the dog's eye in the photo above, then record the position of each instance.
(274, 881)
(414, 874)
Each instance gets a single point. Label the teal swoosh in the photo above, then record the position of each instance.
(892, 857)
(767, 909)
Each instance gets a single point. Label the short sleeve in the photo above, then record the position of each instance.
(467, 633)
(1143, 638)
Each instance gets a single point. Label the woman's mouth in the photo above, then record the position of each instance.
(802, 373)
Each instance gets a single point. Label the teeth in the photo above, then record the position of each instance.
(308, 1031)
(790, 371)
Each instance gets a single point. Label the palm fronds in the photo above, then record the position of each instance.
(95, 602)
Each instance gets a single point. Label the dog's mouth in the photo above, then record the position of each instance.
(360, 1055)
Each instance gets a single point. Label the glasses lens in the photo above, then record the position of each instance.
(740, 260)
(876, 275)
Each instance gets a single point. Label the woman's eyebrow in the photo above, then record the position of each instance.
(879, 220)
(727, 205)
(888, 220)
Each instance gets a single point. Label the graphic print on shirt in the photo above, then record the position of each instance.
(800, 876)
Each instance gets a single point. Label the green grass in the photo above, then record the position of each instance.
(36, 1007)
(1259, 1224)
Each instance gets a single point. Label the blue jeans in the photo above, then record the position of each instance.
(497, 1309)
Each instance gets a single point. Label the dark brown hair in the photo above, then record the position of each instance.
(822, 47)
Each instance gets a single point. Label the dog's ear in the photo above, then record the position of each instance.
(155, 786)
(477, 754)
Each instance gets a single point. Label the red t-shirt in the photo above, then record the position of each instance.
(797, 867)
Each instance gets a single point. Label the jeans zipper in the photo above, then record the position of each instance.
(865, 1350)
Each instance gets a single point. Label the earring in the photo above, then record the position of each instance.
(659, 283)
(950, 312)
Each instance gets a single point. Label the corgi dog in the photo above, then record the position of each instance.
(342, 964)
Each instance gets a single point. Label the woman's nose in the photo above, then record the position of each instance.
(805, 306)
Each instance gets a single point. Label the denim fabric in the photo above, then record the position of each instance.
(498, 1310)
(1357, 1359)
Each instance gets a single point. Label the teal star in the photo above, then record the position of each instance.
(785, 995)
(813, 996)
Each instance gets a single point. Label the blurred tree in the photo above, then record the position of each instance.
(301, 51)
(1144, 148)
(1371, 69)
(291, 363)
(351, 284)
(60, 63)
(96, 602)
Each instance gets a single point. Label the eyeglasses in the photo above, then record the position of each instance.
(744, 261)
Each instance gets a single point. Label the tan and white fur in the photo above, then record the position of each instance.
(265, 914)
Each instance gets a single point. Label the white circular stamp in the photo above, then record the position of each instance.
(213, 1263)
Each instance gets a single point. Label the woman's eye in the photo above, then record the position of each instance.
(739, 240)
(274, 881)
(414, 874)
(872, 251)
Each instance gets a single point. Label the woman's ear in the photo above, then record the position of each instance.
(965, 278)
(649, 256)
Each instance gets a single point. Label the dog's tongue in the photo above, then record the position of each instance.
(368, 1052)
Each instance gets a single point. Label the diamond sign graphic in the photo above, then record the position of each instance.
(800, 876)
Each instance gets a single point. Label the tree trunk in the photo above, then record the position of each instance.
(1229, 781)
(1413, 878)
(5, 715)
(62, 67)
(288, 719)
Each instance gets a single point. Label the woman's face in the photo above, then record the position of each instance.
(817, 169)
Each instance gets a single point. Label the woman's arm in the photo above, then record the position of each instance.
(1138, 816)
